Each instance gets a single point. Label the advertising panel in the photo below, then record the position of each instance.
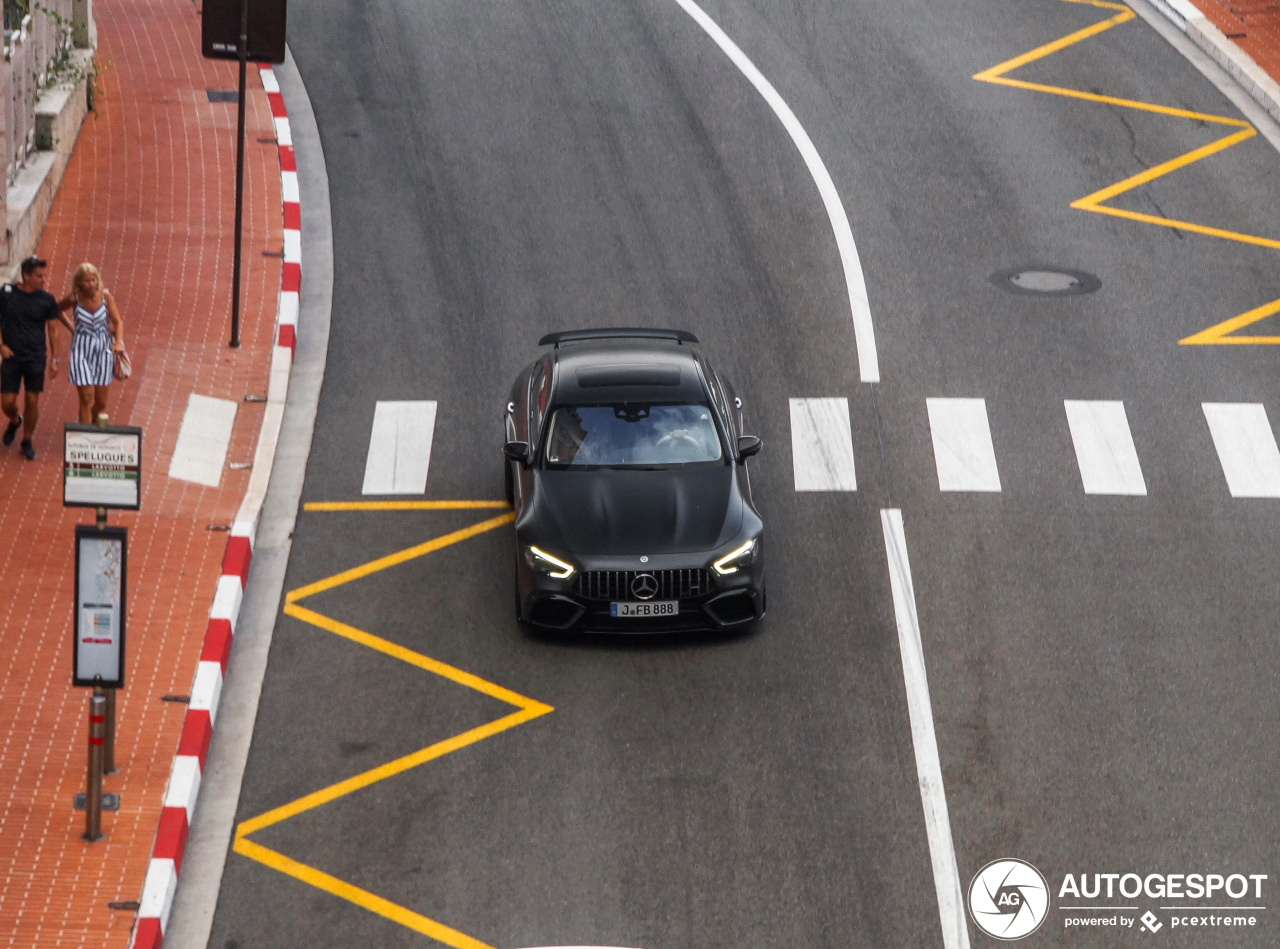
(98, 651)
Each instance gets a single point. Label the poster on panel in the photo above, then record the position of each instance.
(100, 598)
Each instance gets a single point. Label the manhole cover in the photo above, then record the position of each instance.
(1041, 281)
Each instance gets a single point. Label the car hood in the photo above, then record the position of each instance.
(617, 512)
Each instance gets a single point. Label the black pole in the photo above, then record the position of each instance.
(243, 49)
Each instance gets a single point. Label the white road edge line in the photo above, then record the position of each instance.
(942, 852)
(863, 332)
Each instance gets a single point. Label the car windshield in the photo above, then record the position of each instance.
(631, 435)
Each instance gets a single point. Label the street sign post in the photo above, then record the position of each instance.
(240, 30)
(101, 597)
(220, 30)
(102, 466)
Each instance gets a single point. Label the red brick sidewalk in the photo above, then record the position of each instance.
(148, 197)
(1253, 25)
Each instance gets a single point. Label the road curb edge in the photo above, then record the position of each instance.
(1238, 64)
(183, 788)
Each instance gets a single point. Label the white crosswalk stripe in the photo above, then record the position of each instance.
(1246, 448)
(1104, 448)
(962, 448)
(1105, 452)
(399, 448)
(822, 445)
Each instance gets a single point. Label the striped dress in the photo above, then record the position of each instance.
(91, 362)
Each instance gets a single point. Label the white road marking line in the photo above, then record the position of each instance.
(962, 445)
(201, 450)
(399, 448)
(1104, 448)
(863, 331)
(937, 822)
(822, 445)
(1246, 448)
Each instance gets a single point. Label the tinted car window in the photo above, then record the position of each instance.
(632, 435)
(721, 397)
(538, 391)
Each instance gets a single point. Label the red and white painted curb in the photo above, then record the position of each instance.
(202, 712)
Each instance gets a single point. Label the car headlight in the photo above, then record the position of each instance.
(543, 562)
(743, 556)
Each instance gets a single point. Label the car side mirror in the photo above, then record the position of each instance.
(748, 445)
(517, 451)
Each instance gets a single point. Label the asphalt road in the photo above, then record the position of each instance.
(1102, 670)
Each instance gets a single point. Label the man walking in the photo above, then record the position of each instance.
(28, 315)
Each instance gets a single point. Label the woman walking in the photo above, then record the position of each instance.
(97, 336)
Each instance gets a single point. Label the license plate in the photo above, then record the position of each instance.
(658, 608)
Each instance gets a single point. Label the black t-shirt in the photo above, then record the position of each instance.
(22, 319)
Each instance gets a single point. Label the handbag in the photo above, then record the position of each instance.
(124, 368)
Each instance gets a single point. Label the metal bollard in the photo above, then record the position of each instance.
(109, 735)
(93, 790)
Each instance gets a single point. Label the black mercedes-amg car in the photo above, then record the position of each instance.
(626, 466)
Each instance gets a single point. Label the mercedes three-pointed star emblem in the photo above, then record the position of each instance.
(644, 586)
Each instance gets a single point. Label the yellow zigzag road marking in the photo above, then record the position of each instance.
(998, 75)
(527, 709)
(391, 560)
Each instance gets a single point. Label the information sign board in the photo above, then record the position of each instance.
(102, 467)
(220, 30)
(101, 563)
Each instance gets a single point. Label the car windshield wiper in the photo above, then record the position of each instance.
(637, 467)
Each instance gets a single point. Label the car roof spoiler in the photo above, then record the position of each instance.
(573, 336)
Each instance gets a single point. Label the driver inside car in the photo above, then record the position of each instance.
(680, 435)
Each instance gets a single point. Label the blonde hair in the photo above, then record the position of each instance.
(85, 270)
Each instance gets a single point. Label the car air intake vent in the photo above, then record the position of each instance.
(621, 584)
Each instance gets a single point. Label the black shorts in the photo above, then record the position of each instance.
(28, 372)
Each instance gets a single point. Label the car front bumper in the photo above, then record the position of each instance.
(719, 602)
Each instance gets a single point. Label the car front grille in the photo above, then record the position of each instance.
(616, 584)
